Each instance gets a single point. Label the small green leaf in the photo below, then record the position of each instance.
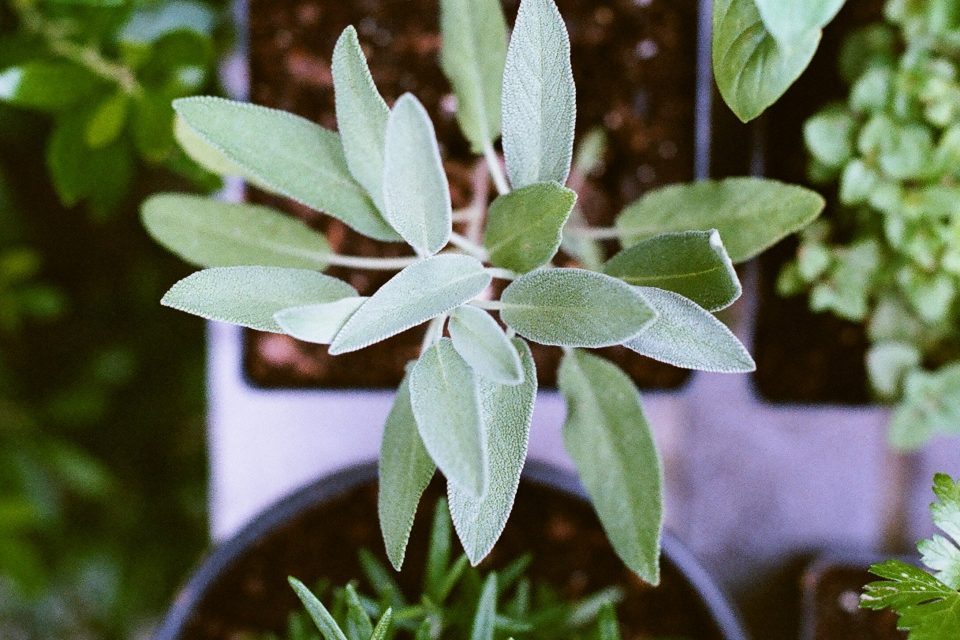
(446, 403)
(47, 86)
(210, 233)
(829, 137)
(574, 308)
(685, 335)
(539, 97)
(752, 69)
(486, 616)
(751, 214)
(289, 155)
(415, 188)
(610, 442)
(149, 24)
(405, 471)
(321, 617)
(888, 363)
(524, 227)
(318, 323)
(607, 626)
(473, 56)
(928, 608)
(694, 264)
(438, 552)
(359, 626)
(506, 412)
(250, 296)
(361, 115)
(482, 343)
(791, 21)
(422, 291)
(107, 122)
(382, 629)
(385, 587)
(930, 406)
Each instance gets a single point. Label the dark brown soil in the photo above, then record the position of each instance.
(833, 595)
(569, 549)
(635, 67)
(802, 356)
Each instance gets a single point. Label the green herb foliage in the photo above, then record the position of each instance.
(457, 601)
(103, 75)
(890, 257)
(467, 402)
(928, 603)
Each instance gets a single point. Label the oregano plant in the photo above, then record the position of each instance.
(465, 405)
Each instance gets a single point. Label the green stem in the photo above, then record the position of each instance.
(371, 264)
(489, 305)
(596, 233)
(434, 332)
(502, 274)
(469, 246)
(496, 170)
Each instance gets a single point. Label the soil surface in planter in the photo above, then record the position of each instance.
(635, 66)
(834, 607)
(566, 541)
(802, 356)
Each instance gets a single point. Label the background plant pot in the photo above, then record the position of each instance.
(317, 532)
(832, 585)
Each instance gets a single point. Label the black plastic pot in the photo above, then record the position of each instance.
(210, 576)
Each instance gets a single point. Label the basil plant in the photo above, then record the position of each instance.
(890, 257)
(465, 405)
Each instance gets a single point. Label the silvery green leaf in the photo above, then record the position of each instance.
(473, 56)
(204, 153)
(790, 21)
(930, 406)
(318, 613)
(210, 233)
(752, 69)
(574, 308)
(250, 296)
(383, 626)
(287, 155)
(539, 97)
(318, 323)
(359, 626)
(609, 439)
(446, 403)
(694, 264)
(687, 336)
(361, 115)
(751, 214)
(485, 618)
(888, 363)
(524, 226)
(422, 291)
(482, 343)
(506, 412)
(416, 191)
(405, 471)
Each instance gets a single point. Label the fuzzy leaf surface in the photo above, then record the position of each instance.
(210, 233)
(539, 97)
(250, 296)
(609, 439)
(415, 187)
(405, 471)
(446, 403)
(506, 412)
(791, 21)
(473, 57)
(688, 336)
(574, 308)
(752, 69)
(287, 155)
(751, 214)
(420, 292)
(482, 343)
(524, 227)
(694, 264)
(361, 115)
(318, 323)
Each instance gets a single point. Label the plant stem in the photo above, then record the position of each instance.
(496, 170)
(502, 274)
(489, 305)
(371, 264)
(433, 333)
(597, 233)
(469, 246)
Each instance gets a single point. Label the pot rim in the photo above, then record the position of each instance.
(327, 487)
